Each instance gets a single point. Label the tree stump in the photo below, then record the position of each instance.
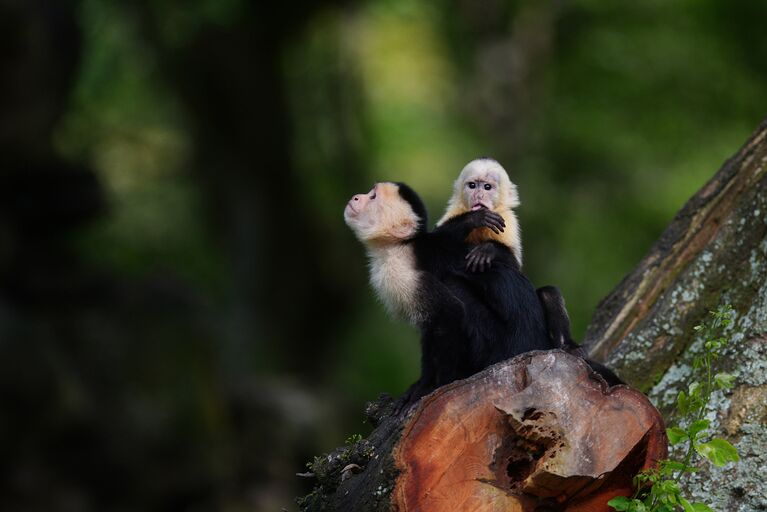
(538, 432)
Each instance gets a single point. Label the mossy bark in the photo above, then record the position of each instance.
(369, 461)
(714, 252)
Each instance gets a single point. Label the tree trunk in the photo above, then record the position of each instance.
(712, 253)
(541, 432)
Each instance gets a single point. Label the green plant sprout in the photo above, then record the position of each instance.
(658, 489)
(353, 439)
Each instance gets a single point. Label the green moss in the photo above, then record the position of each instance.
(328, 470)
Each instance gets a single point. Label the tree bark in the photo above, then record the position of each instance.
(712, 253)
(493, 441)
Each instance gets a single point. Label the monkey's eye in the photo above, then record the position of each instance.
(471, 184)
(488, 186)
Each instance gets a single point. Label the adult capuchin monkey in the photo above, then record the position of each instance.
(467, 320)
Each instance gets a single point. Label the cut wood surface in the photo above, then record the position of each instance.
(539, 431)
(534, 433)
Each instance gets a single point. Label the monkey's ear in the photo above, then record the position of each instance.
(512, 196)
(403, 230)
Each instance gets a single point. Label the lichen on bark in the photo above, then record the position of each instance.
(713, 253)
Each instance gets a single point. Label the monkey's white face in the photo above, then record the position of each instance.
(381, 215)
(483, 183)
(481, 189)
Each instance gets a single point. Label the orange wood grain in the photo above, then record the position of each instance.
(540, 432)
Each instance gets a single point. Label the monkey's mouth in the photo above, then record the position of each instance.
(478, 206)
(350, 209)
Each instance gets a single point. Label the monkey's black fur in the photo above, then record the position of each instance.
(475, 319)
(558, 324)
(472, 320)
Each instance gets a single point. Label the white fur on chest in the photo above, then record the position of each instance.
(394, 277)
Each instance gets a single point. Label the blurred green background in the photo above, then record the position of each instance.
(184, 316)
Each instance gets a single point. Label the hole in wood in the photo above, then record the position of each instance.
(521, 461)
(525, 443)
(531, 414)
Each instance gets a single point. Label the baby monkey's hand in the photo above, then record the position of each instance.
(481, 257)
(485, 218)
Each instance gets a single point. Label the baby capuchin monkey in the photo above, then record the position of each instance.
(485, 184)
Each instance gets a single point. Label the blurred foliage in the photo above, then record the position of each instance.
(124, 118)
(608, 117)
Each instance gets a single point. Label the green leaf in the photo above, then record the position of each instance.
(676, 435)
(640, 479)
(673, 465)
(697, 427)
(718, 451)
(701, 507)
(620, 503)
(682, 403)
(694, 389)
(627, 504)
(670, 489)
(686, 505)
(724, 380)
